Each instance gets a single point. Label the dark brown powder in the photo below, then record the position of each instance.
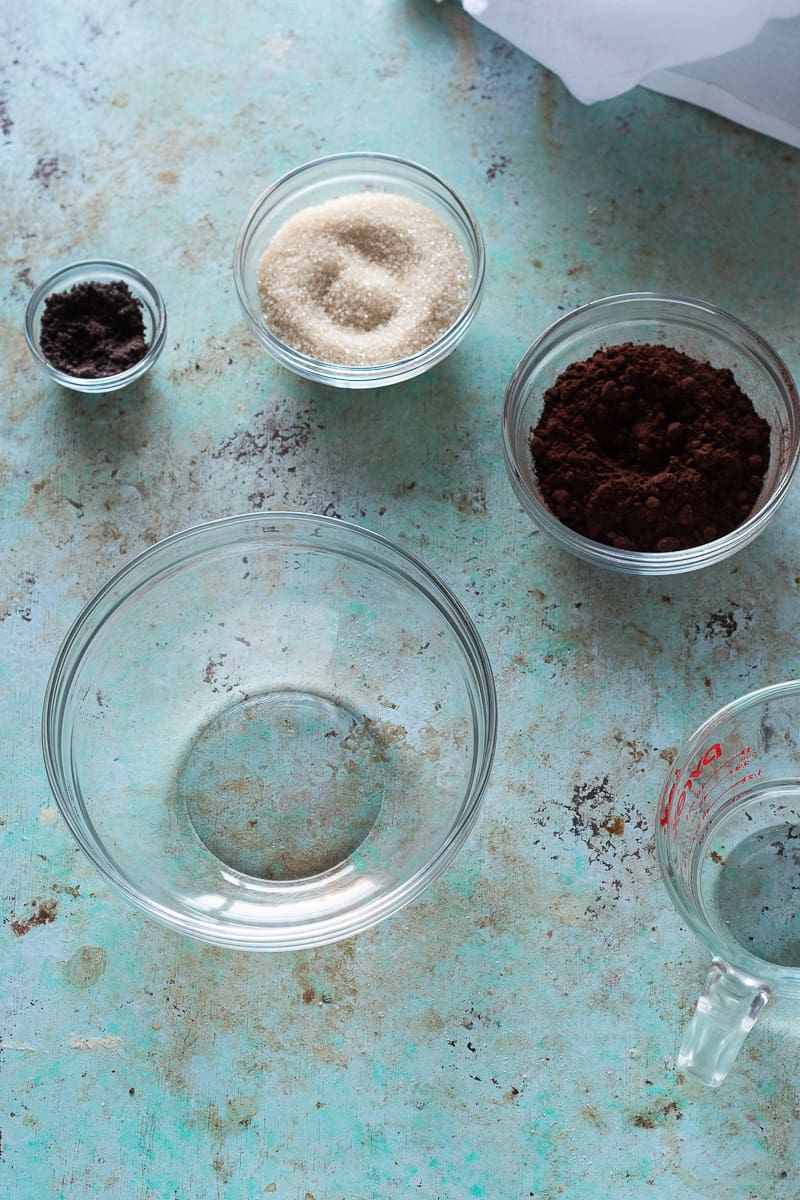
(645, 448)
(93, 330)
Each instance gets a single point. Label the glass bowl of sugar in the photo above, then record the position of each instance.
(359, 270)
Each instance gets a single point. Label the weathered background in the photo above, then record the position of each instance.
(513, 1034)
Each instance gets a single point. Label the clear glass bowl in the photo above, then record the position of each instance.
(698, 329)
(326, 179)
(271, 731)
(154, 315)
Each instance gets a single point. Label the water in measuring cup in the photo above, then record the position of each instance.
(748, 877)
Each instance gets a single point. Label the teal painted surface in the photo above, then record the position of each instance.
(513, 1033)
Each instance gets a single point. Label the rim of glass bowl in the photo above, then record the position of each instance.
(687, 312)
(168, 555)
(103, 270)
(343, 374)
(784, 980)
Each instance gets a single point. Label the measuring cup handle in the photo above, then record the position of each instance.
(728, 1008)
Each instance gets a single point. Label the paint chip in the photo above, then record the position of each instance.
(111, 1042)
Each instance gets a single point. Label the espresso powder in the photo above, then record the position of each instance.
(644, 448)
(93, 330)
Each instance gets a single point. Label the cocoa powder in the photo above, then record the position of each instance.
(93, 330)
(644, 448)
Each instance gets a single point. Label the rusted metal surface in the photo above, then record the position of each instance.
(513, 1033)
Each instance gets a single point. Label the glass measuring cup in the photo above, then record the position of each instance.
(728, 844)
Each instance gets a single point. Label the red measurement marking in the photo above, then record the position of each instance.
(710, 755)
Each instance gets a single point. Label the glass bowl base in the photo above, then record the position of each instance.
(283, 785)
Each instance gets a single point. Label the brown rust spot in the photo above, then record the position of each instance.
(721, 624)
(550, 92)
(45, 912)
(210, 671)
(383, 732)
(241, 1111)
(214, 1120)
(591, 1115)
(498, 166)
(433, 1021)
(46, 170)
(599, 818)
(472, 503)
(462, 33)
(267, 438)
(85, 966)
(637, 753)
(652, 1117)
(6, 124)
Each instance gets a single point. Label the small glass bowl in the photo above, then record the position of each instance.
(694, 327)
(327, 179)
(154, 315)
(271, 731)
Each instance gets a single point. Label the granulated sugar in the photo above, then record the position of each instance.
(364, 279)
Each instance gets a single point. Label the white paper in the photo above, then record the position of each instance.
(740, 58)
(757, 86)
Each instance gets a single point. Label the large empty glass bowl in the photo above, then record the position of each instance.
(271, 731)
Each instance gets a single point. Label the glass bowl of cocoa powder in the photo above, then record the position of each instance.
(651, 434)
(359, 270)
(96, 326)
